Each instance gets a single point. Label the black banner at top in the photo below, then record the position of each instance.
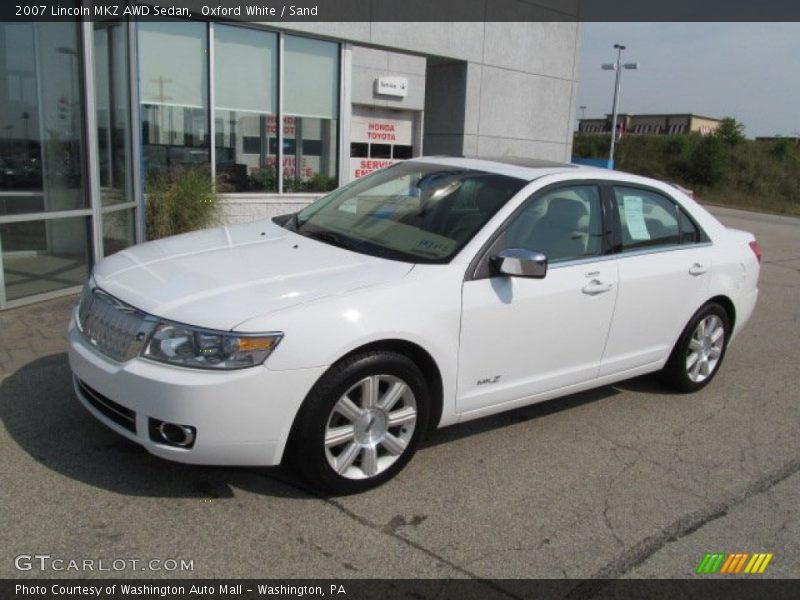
(277, 11)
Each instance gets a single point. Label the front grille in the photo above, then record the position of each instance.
(124, 417)
(116, 329)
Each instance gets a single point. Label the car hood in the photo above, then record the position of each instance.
(222, 277)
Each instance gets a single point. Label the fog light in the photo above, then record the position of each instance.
(172, 434)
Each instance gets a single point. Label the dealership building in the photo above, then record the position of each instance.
(89, 111)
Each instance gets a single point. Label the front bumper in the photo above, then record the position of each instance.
(242, 417)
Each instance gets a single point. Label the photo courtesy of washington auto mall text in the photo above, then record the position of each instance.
(179, 590)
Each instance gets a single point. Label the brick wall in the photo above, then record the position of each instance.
(244, 208)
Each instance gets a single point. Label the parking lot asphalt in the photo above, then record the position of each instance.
(629, 480)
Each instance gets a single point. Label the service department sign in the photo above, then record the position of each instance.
(392, 86)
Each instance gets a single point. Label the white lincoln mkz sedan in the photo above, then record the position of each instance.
(432, 292)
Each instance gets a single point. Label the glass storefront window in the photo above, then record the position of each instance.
(118, 230)
(44, 256)
(112, 102)
(42, 160)
(246, 155)
(173, 81)
(113, 114)
(41, 167)
(43, 154)
(311, 107)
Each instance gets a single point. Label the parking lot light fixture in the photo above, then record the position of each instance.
(616, 66)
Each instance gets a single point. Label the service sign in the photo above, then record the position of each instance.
(364, 166)
(392, 86)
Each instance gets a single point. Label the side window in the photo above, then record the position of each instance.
(562, 224)
(689, 232)
(648, 219)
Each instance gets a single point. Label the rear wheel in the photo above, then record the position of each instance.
(361, 423)
(699, 351)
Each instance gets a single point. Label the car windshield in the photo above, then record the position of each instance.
(414, 211)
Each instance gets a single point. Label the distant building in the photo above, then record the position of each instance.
(662, 124)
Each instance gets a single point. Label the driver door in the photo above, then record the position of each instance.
(523, 337)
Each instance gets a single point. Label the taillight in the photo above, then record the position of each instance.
(756, 248)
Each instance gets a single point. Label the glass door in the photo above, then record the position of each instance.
(45, 216)
(67, 189)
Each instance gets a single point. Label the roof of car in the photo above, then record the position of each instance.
(514, 166)
(533, 168)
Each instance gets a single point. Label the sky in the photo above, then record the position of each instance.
(749, 71)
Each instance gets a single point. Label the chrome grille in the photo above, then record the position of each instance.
(116, 329)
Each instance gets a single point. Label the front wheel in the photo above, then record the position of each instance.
(361, 423)
(698, 354)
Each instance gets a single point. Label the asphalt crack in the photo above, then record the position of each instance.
(680, 528)
(391, 530)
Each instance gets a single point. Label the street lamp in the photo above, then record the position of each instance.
(616, 66)
(583, 112)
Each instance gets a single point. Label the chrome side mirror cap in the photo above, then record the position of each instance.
(518, 262)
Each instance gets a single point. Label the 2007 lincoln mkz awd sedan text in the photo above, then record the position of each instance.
(434, 291)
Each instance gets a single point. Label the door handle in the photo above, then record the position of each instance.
(697, 269)
(595, 287)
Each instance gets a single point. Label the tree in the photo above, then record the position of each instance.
(706, 166)
(730, 131)
(783, 150)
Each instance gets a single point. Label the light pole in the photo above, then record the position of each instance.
(617, 66)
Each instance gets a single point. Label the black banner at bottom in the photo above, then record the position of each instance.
(400, 589)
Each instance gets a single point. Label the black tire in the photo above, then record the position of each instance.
(307, 450)
(676, 374)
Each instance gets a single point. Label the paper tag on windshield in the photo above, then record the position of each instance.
(634, 218)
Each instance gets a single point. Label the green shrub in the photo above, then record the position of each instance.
(785, 150)
(263, 178)
(179, 201)
(319, 182)
(707, 162)
(678, 145)
(721, 169)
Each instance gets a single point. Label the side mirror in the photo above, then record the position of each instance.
(518, 262)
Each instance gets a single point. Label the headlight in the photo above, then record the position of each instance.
(186, 346)
(84, 302)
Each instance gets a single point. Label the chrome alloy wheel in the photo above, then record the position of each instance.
(705, 348)
(370, 426)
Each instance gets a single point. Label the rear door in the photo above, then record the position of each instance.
(664, 272)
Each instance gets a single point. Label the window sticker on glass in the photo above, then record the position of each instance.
(349, 206)
(634, 218)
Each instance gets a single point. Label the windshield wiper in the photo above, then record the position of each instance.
(288, 221)
(329, 237)
(294, 221)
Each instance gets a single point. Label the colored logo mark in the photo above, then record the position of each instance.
(735, 563)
